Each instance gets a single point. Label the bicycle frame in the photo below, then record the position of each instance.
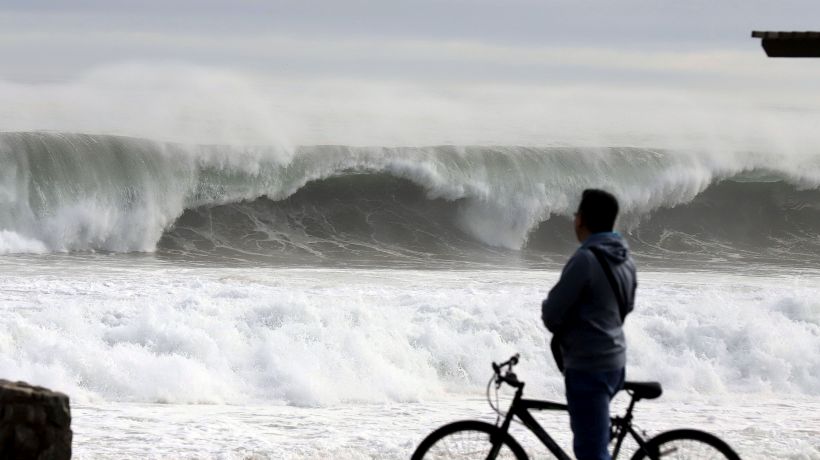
(520, 408)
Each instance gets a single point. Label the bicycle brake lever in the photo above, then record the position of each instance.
(512, 379)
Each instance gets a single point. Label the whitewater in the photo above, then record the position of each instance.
(216, 300)
(163, 361)
(65, 192)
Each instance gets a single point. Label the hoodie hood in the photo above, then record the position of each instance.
(612, 244)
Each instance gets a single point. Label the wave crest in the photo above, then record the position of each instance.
(74, 192)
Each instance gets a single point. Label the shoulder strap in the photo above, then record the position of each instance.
(612, 282)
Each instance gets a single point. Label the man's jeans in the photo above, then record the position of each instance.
(588, 396)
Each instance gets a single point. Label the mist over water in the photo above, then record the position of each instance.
(724, 103)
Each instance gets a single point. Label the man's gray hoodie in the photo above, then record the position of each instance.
(582, 306)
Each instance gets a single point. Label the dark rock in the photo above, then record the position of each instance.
(35, 422)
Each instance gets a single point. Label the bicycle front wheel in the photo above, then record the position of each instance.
(686, 445)
(469, 439)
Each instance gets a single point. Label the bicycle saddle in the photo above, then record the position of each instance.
(644, 390)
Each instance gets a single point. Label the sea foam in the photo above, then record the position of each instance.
(316, 337)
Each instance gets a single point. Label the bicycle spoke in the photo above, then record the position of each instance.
(689, 450)
(466, 445)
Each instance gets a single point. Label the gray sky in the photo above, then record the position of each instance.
(53, 40)
(409, 72)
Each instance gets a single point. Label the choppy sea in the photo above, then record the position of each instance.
(205, 301)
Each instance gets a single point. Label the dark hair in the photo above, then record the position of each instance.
(598, 210)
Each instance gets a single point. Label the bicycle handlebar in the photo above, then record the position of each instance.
(509, 376)
(512, 361)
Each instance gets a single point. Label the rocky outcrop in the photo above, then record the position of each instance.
(35, 422)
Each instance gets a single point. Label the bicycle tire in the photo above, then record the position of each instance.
(475, 433)
(686, 444)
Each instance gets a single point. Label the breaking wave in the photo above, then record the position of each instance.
(316, 337)
(76, 192)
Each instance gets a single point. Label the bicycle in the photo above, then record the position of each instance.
(477, 439)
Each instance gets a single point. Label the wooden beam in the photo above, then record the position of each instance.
(790, 44)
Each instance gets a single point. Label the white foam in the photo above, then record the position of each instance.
(11, 242)
(759, 429)
(320, 337)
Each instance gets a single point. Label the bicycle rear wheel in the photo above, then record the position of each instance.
(686, 445)
(469, 439)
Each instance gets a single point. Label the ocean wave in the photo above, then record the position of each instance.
(319, 337)
(78, 192)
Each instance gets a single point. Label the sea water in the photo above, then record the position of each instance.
(341, 302)
(168, 361)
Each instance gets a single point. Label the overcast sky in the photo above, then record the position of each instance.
(402, 72)
(53, 40)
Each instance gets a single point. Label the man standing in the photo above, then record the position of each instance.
(585, 312)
